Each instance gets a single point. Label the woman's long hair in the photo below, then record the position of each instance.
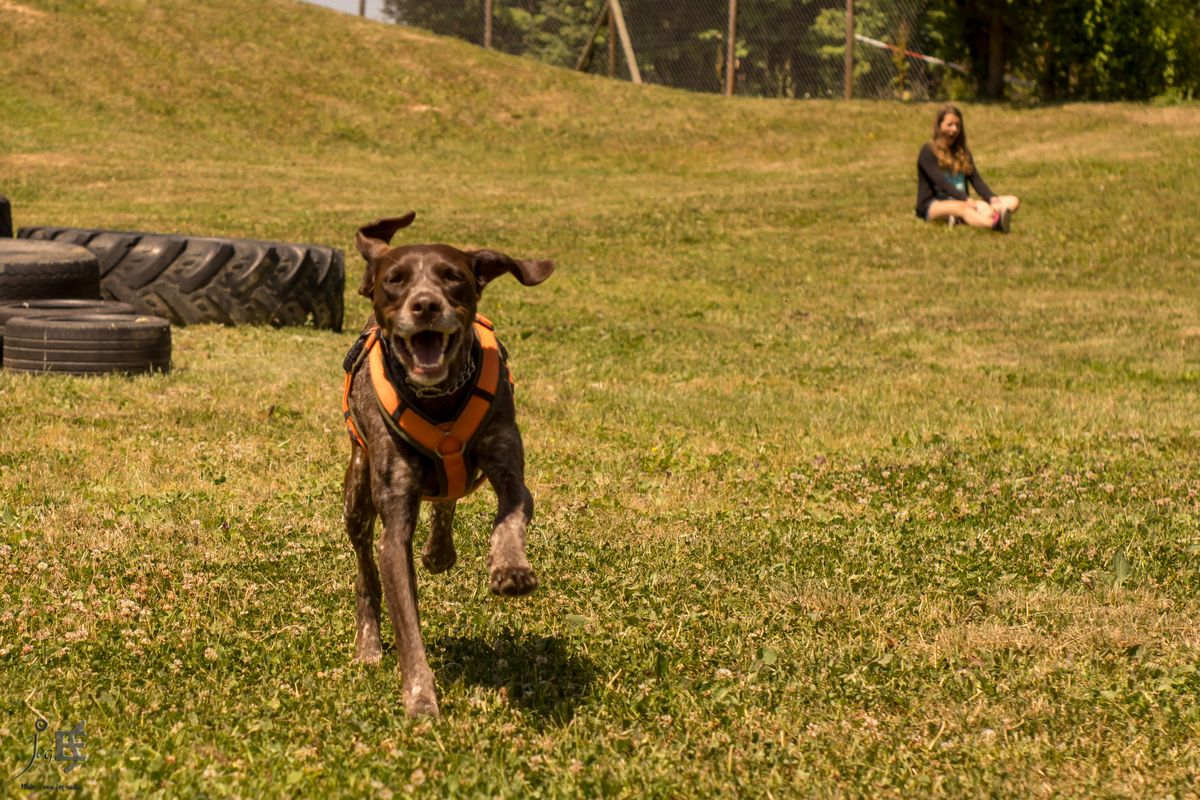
(955, 157)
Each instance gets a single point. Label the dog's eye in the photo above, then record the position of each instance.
(452, 276)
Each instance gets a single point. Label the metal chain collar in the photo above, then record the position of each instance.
(442, 390)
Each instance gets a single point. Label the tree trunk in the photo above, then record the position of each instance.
(1048, 80)
(997, 56)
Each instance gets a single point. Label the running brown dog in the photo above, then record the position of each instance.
(448, 424)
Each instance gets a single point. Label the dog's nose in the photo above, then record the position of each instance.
(425, 306)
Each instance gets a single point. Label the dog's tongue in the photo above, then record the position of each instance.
(426, 348)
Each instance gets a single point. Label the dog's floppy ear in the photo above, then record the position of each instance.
(372, 241)
(489, 265)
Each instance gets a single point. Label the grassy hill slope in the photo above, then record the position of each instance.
(830, 501)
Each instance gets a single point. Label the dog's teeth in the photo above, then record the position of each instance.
(428, 348)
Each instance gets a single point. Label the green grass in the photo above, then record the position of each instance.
(830, 502)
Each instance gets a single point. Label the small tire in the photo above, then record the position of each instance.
(88, 344)
(36, 270)
(11, 309)
(197, 279)
(59, 307)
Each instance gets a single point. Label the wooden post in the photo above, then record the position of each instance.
(585, 58)
(731, 50)
(362, 8)
(612, 45)
(614, 7)
(487, 23)
(848, 66)
(611, 13)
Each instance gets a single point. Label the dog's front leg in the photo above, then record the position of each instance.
(396, 488)
(503, 462)
(360, 525)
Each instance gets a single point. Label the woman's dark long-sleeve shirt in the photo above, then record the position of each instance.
(934, 184)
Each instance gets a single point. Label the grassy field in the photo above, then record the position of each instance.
(830, 502)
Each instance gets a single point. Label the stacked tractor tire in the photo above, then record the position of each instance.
(86, 301)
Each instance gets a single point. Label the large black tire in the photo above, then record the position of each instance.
(10, 309)
(36, 270)
(194, 279)
(6, 229)
(88, 344)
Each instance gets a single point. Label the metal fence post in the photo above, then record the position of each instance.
(487, 23)
(848, 66)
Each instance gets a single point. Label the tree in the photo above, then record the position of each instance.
(552, 31)
(1076, 49)
(1047, 49)
(462, 19)
(1115, 49)
(987, 33)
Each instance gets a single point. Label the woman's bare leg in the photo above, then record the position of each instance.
(966, 210)
(1009, 201)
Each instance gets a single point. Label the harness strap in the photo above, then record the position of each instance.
(446, 444)
(355, 357)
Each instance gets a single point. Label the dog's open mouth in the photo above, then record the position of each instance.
(425, 353)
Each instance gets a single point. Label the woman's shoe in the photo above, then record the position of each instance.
(1003, 222)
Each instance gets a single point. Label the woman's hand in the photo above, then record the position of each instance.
(984, 208)
(995, 201)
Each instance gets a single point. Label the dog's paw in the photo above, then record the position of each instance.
(420, 701)
(369, 659)
(439, 560)
(368, 648)
(369, 655)
(513, 581)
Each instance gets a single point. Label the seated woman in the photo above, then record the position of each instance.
(944, 167)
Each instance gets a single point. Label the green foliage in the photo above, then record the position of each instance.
(1081, 49)
(462, 20)
(1061, 50)
(552, 31)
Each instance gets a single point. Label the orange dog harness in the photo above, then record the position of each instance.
(448, 445)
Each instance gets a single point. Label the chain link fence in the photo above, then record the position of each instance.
(783, 48)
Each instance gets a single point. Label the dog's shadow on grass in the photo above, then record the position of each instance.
(542, 675)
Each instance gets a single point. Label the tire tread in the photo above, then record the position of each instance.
(193, 279)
